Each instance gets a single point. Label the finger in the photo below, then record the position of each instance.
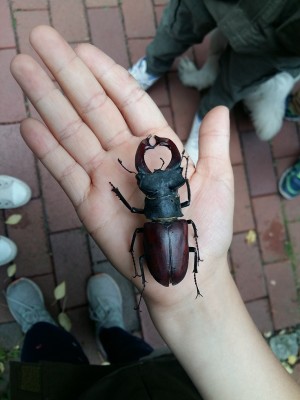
(69, 174)
(214, 142)
(80, 86)
(138, 109)
(57, 112)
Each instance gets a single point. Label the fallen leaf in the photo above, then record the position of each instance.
(60, 291)
(287, 367)
(13, 219)
(65, 321)
(11, 270)
(251, 237)
(2, 368)
(292, 359)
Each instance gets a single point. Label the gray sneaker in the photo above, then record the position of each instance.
(140, 74)
(26, 304)
(13, 192)
(105, 302)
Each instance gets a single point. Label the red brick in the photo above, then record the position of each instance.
(15, 157)
(270, 227)
(5, 315)
(247, 268)
(29, 4)
(236, 156)
(286, 143)
(294, 234)
(106, 28)
(137, 48)
(47, 285)
(7, 37)
(150, 334)
(68, 17)
(83, 330)
(261, 315)
(138, 18)
(283, 295)
(259, 164)
(291, 207)
(243, 121)
(72, 264)
(167, 113)
(243, 219)
(60, 212)
(101, 3)
(201, 51)
(33, 256)
(184, 103)
(12, 107)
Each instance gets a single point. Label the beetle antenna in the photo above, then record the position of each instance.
(121, 163)
(163, 163)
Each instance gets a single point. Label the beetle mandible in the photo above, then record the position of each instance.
(166, 247)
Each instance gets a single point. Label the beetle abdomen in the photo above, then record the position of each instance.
(166, 250)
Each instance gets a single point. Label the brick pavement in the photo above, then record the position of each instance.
(53, 246)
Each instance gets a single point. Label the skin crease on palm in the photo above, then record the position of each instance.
(102, 117)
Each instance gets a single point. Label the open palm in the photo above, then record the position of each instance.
(102, 116)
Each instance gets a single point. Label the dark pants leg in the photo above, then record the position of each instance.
(184, 23)
(47, 342)
(121, 346)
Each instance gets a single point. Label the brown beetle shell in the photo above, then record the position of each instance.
(167, 250)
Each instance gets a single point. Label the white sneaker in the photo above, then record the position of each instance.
(13, 192)
(140, 74)
(8, 250)
(192, 144)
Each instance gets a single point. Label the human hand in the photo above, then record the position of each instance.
(102, 116)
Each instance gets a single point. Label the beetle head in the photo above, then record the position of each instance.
(159, 182)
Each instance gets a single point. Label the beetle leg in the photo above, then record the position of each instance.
(191, 222)
(141, 259)
(138, 230)
(124, 201)
(188, 201)
(195, 271)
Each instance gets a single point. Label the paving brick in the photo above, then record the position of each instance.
(243, 219)
(283, 295)
(72, 264)
(261, 315)
(244, 123)
(291, 208)
(150, 333)
(29, 4)
(106, 28)
(294, 235)
(137, 48)
(270, 227)
(12, 107)
(5, 315)
(236, 156)
(167, 113)
(47, 285)
(259, 164)
(247, 268)
(15, 157)
(96, 253)
(68, 18)
(101, 3)
(7, 37)
(296, 373)
(29, 234)
(60, 212)
(131, 318)
(286, 142)
(184, 103)
(138, 18)
(84, 331)
(26, 21)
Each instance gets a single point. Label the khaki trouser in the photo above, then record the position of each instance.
(185, 23)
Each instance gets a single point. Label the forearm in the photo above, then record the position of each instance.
(217, 343)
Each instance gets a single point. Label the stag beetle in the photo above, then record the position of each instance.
(166, 247)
